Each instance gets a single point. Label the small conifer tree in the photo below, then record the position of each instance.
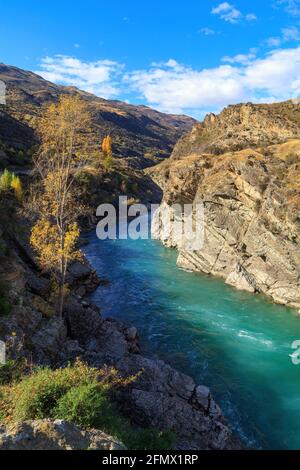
(6, 180)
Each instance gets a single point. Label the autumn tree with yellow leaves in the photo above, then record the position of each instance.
(107, 159)
(63, 152)
(16, 185)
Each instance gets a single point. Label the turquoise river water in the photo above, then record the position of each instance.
(236, 343)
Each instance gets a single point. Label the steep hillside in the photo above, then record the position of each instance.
(159, 398)
(242, 126)
(251, 197)
(140, 134)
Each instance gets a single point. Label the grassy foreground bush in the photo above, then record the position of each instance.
(81, 395)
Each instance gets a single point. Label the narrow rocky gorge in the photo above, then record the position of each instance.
(161, 397)
(243, 165)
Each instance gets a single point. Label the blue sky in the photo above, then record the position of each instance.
(187, 56)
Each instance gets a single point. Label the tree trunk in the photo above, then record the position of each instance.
(62, 295)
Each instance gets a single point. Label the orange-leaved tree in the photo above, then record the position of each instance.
(63, 133)
(107, 158)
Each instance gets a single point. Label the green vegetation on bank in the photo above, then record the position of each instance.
(79, 394)
(9, 181)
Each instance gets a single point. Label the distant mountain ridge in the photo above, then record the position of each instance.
(142, 135)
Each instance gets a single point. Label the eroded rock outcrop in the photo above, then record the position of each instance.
(54, 435)
(241, 126)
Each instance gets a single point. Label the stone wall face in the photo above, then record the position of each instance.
(252, 226)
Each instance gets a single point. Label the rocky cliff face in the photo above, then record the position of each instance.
(241, 126)
(140, 134)
(54, 435)
(251, 197)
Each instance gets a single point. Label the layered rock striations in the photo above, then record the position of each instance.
(251, 197)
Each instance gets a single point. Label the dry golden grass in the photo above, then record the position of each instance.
(284, 151)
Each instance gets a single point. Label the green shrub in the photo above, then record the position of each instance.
(79, 394)
(149, 439)
(38, 397)
(88, 406)
(5, 180)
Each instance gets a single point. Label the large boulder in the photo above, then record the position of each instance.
(54, 435)
(165, 399)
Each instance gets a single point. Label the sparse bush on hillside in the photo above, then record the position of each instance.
(5, 180)
(292, 158)
(87, 406)
(9, 181)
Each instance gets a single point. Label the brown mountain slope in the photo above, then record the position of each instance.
(139, 133)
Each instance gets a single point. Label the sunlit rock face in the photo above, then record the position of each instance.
(251, 198)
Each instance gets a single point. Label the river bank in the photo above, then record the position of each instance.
(237, 343)
(161, 397)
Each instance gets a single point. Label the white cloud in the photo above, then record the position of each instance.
(277, 74)
(229, 13)
(207, 31)
(241, 58)
(291, 34)
(291, 6)
(100, 77)
(287, 35)
(176, 88)
(251, 17)
(272, 42)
